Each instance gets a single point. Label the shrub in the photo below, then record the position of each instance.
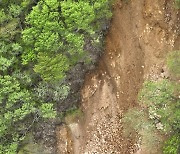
(172, 145)
(136, 121)
(133, 121)
(163, 108)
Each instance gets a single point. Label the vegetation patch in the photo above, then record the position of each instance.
(177, 3)
(161, 112)
(73, 115)
(171, 146)
(42, 44)
(173, 62)
(136, 122)
(28, 146)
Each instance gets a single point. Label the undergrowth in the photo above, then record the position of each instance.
(173, 62)
(177, 3)
(161, 112)
(73, 115)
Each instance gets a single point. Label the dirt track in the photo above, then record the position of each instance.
(139, 38)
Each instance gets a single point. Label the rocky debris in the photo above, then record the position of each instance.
(104, 127)
(107, 138)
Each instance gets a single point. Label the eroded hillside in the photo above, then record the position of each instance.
(141, 34)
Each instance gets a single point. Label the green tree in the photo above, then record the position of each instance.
(60, 28)
(52, 68)
(16, 104)
(78, 16)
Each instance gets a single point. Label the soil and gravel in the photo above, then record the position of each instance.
(141, 34)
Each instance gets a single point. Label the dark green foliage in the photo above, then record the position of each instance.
(15, 105)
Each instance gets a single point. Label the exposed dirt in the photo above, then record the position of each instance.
(142, 32)
(64, 140)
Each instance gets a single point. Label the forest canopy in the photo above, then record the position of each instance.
(40, 41)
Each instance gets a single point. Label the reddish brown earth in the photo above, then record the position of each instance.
(142, 32)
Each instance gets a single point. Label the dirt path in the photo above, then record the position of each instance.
(136, 45)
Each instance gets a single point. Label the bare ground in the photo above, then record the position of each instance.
(142, 32)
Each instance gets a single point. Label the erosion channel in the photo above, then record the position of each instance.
(141, 34)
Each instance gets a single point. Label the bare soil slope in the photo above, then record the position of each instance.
(142, 32)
